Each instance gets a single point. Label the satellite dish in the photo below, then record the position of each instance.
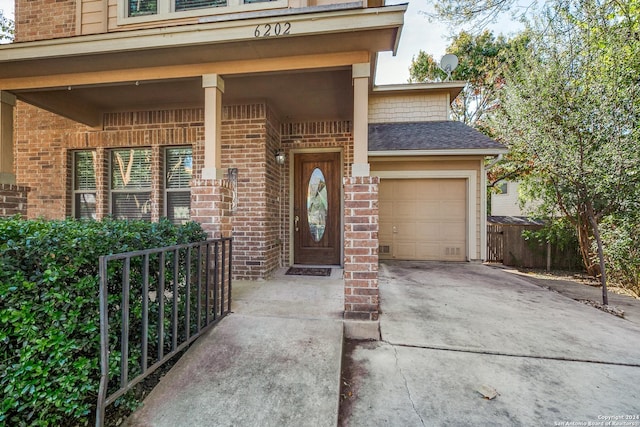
(448, 63)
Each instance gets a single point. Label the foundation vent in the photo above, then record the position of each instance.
(452, 251)
(384, 249)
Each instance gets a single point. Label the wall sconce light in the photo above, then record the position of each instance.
(280, 157)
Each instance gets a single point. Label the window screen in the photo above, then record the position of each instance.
(178, 173)
(130, 183)
(142, 7)
(198, 4)
(84, 184)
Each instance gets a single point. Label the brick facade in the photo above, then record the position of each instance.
(361, 294)
(251, 134)
(211, 206)
(13, 200)
(44, 19)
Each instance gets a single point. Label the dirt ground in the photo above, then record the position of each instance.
(576, 277)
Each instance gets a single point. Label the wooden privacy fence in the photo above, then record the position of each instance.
(506, 244)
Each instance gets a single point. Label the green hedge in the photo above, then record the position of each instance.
(49, 311)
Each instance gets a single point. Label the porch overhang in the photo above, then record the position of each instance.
(85, 76)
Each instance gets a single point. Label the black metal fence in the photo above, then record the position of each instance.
(154, 303)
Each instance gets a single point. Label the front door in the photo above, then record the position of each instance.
(316, 208)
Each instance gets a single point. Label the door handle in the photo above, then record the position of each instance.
(296, 220)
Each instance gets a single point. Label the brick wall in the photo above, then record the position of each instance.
(44, 142)
(13, 200)
(211, 206)
(250, 136)
(361, 295)
(274, 182)
(41, 160)
(243, 147)
(44, 19)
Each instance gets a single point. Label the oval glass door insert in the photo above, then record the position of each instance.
(317, 206)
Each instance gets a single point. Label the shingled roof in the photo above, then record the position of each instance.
(445, 135)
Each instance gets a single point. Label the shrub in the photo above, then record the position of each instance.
(621, 238)
(49, 311)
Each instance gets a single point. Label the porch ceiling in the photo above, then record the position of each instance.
(295, 96)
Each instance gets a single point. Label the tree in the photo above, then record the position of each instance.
(482, 60)
(6, 27)
(571, 109)
(479, 12)
(424, 68)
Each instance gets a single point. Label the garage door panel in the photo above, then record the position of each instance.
(404, 250)
(404, 209)
(427, 209)
(385, 209)
(454, 209)
(385, 230)
(402, 192)
(404, 230)
(427, 220)
(453, 190)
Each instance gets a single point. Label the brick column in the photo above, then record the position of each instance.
(13, 200)
(211, 206)
(361, 300)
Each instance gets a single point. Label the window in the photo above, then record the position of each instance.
(153, 10)
(503, 188)
(142, 7)
(197, 4)
(130, 183)
(178, 173)
(84, 184)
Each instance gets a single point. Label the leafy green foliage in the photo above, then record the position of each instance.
(49, 314)
(621, 235)
(6, 27)
(424, 68)
(482, 61)
(570, 111)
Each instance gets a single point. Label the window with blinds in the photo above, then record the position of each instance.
(198, 4)
(142, 7)
(84, 184)
(178, 174)
(130, 183)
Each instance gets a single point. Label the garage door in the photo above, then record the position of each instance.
(423, 219)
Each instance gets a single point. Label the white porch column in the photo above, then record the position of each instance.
(7, 107)
(213, 89)
(360, 73)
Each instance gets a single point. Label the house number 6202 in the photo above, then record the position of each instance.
(271, 30)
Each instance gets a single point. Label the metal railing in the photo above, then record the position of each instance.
(154, 303)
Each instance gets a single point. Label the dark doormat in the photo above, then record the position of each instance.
(308, 271)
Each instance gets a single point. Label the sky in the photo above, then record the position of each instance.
(418, 33)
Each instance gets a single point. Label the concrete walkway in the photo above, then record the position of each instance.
(275, 361)
(451, 332)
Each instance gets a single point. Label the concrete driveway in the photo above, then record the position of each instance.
(449, 330)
